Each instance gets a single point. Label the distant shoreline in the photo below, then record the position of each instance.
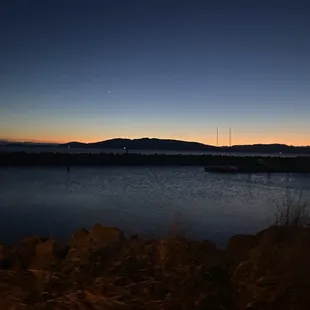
(234, 151)
(247, 164)
(160, 145)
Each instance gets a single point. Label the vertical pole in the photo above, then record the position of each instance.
(229, 142)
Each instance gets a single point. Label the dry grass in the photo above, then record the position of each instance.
(170, 273)
(293, 210)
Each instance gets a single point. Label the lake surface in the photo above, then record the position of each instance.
(152, 201)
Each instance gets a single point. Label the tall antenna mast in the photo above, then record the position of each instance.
(217, 136)
(229, 136)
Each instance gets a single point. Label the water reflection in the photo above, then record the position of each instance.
(140, 200)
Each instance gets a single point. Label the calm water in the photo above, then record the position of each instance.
(151, 201)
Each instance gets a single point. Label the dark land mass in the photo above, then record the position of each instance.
(5, 143)
(178, 145)
(104, 269)
(248, 164)
(145, 144)
(174, 145)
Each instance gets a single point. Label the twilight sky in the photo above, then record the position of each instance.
(92, 70)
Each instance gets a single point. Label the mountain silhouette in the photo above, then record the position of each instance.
(170, 145)
(145, 144)
(179, 145)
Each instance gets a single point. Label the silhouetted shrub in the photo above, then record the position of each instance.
(293, 210)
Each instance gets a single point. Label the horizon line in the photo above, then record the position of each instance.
(126, 138)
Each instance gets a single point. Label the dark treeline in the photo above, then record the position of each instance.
(246, 164)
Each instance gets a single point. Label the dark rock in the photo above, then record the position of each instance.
(7, 258)
(106, 235)
(46, 253)
(80, 238)
(282, 234)
(63, 251)
(2, 257)
(238, 246)
(102, 269)
(11, 259)
(276, 272)
(207, 253)
(26, 250)
(78, 255)
(84, 243)
(15, 286)
(80, 247)
(175, 251)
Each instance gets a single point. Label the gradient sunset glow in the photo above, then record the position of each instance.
(167, 69)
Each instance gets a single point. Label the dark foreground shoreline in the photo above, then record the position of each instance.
(103, 269)
(248, 164)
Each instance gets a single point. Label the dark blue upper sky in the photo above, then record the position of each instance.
(90, 70)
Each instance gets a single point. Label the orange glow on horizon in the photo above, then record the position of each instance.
(207, 139)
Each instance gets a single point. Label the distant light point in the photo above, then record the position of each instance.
(109, 91)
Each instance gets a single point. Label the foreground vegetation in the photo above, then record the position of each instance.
(103, 269)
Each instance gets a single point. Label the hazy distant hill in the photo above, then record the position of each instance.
(27, 144)
(270, 148)
(146, 144)
(178, 145)
(173, 145)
